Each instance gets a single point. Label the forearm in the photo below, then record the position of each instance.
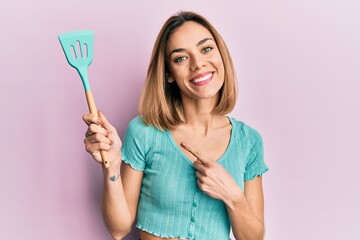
(115, 210)
(245, 225)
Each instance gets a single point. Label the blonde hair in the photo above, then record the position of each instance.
(160, 103)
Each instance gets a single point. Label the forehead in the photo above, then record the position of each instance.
(188, 34)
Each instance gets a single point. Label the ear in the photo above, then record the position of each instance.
(169, 78)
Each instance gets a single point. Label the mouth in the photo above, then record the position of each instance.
(202, 79)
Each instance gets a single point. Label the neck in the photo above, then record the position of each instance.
(198, 116)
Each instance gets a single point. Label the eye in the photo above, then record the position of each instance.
(207, 49)
(180, 59)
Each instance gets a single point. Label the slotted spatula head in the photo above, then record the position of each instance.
(78, 47)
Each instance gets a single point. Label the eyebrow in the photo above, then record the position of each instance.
(183, 49)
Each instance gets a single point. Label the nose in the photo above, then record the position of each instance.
(197, 62)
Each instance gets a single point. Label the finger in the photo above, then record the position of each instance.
(105, 122)
(103, 146)
(96, 147)
(89, 147)
(91, 119)
(200, 166)
(194, 152)
(190, 149)
(93, 128)
(98, 137)
(200, 185)
(200, 176)
(96, 154)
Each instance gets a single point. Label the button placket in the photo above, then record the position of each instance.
(193, 215)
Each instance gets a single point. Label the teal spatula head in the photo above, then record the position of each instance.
(78, 47)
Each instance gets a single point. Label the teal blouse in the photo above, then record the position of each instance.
(171, 205)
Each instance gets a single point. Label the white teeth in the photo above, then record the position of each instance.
(204, 78)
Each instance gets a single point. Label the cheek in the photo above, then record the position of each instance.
(176, 69)
(220, 66)
(179, 73)
(217, 60)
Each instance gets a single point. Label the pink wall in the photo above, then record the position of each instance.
(298, 67)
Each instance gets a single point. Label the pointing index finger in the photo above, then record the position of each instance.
(194, 152)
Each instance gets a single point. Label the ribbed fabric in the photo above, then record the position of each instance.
(171, 205)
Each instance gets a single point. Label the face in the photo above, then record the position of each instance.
(195, 62)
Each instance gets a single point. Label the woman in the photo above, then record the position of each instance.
(189, 171)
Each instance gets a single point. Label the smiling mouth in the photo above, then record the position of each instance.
(203, 79)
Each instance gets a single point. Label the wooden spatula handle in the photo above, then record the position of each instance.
(93, 110)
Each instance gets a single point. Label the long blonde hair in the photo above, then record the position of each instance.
(160, 103)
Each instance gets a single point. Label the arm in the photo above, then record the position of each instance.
(119, 199)
(120, 191)
(246, 211)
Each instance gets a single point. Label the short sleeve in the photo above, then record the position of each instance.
(255, 165)
(133, 150)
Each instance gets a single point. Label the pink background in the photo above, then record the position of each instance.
(298, 68)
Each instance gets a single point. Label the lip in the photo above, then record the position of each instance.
(207, 75)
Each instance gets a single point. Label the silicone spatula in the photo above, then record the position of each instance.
(78, 47)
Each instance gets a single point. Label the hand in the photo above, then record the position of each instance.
(213, 179)
(101, 135)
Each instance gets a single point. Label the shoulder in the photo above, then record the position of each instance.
(136, 122)
(246, 131)
(137, 125)
(138, 129)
